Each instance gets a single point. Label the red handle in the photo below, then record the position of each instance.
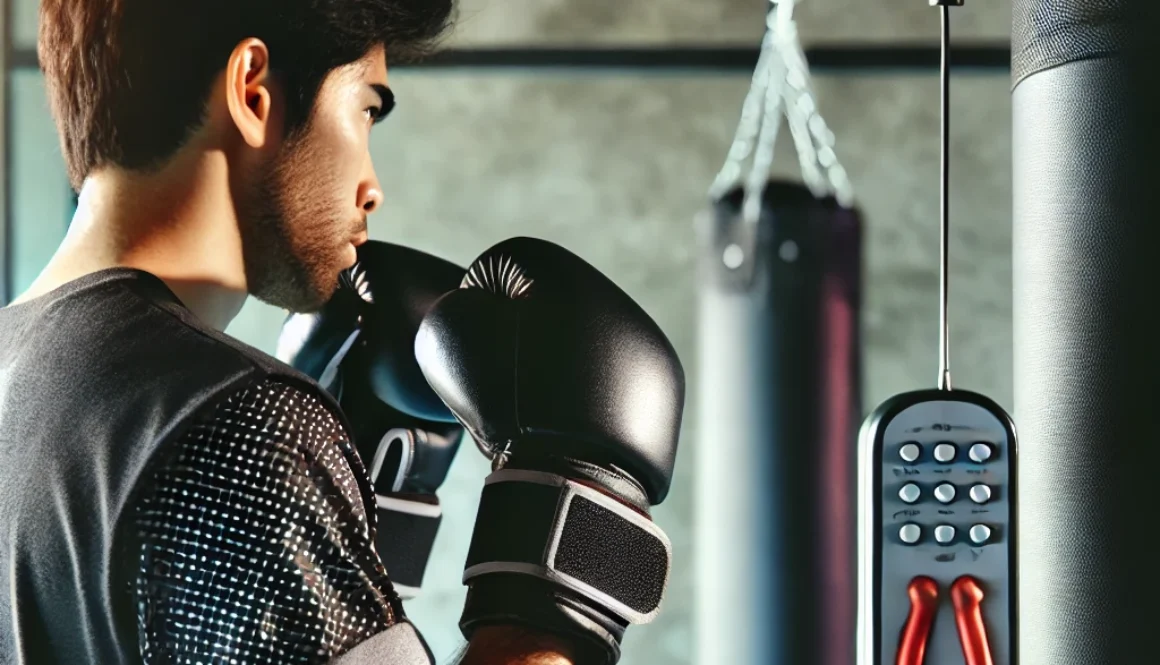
(967, 597)
(923, 592)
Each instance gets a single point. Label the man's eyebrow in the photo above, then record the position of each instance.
(386, 100)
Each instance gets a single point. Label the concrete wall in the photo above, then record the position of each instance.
(614, 166)
(507, 22)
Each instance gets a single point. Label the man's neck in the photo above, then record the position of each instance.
(178, 225)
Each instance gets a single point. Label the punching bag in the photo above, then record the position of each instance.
(779, 407)
(1085, 74)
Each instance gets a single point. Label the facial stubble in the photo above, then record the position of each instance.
(292, 240)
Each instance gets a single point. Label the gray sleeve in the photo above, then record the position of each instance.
(400, 644)
(255, 546)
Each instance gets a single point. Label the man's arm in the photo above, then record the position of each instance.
(511, 645)
(254, 546)
(254, 543)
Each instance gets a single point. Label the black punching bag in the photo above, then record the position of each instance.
(779, 370)
(1085, 118)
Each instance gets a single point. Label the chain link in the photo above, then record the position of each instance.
(750, 124)
(766, 141)
(781, 87)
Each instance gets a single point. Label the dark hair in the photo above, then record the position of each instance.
(128, 80)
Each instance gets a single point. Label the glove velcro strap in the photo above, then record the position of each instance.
(576, 537)
(405, 537)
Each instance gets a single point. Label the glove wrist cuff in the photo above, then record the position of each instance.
(405, 536)
(582, 541)
(508, 599)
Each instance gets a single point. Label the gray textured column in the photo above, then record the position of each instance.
(1084, 148)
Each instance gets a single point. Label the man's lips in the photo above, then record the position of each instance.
(359, 236)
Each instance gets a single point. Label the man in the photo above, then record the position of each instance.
(168, 495)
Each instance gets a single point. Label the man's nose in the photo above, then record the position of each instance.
(370, 195)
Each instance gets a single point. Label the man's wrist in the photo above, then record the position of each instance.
(518, 645)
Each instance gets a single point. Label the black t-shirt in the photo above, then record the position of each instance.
(171, 495)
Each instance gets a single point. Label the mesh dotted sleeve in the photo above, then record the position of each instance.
(255, 544)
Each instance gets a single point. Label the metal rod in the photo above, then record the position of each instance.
(944, 370)
(987, 57)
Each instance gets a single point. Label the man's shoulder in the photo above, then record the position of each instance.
(147, 319)
(264, 432)
(130, 337)
(279, 405)
(183, 332)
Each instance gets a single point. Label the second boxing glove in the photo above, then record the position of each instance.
(359, 347)
(578, 396)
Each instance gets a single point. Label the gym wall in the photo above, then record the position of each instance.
(613, 164)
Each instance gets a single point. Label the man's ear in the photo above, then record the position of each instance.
(248, 81)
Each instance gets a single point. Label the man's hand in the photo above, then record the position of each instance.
(510, 645)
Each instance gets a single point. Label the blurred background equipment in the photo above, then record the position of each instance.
(937, 494)
(597, 125)
(779, 388)
(779, 366)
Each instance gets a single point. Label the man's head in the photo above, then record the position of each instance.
(289, 88)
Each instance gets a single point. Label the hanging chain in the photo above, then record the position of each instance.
(766, 138)
(750, 124)
(821, 170)
(781, 88)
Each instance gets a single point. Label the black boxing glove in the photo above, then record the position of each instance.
(578, 397)
(360, 348)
